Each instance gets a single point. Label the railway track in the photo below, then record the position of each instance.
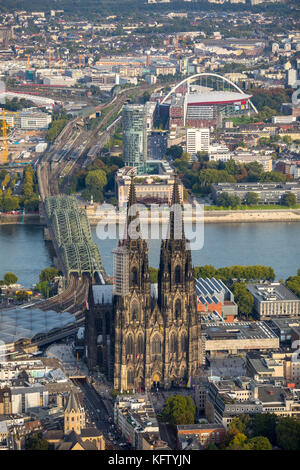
(71, 300)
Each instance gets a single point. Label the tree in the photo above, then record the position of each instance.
(55, 128)
(288, 434)
(251, 199)
(153, 274)
(96, 179)
(254, 169)
(243, 298)
(264, 424)
(185, 157)
(10, 278)
(36, 442)
(258, 443)
(289, 199)
(211, 446)
(228, 200)
(44, 288)
(179, 410)
(22, 296)
(175, 151)
(238, 441)
(205, 271)
(272, 176)
(293, 283)
(239, 425)
(48, 274)
(32, 204)
(9, 203)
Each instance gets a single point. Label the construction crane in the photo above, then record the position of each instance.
(5, 126)
(28, 61)
(79, 60)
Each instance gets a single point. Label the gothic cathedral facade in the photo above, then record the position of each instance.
(156, 338)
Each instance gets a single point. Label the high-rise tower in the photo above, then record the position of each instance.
(134, 136)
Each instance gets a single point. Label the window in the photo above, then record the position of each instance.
(177, 275)
(134, 277)
(156, 345)
(134, 311)
(140, 344)
(173, 344)
(177, 309)
(130, 378)
(129, 345)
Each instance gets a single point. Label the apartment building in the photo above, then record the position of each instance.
(197, 140)
(135, 416)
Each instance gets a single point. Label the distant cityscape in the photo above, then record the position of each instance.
(165, 114)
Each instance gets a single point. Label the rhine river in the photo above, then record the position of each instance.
(24, 252)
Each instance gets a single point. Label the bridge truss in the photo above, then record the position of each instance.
(71, 229)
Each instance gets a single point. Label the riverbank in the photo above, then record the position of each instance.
(211, 217)
(238, 216)
(11, 219)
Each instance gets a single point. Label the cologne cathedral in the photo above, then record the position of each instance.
(141, 334)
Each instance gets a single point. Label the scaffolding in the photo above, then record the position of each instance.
(121, 270)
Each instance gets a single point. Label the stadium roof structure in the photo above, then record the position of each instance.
(19, 323)
(215, 97)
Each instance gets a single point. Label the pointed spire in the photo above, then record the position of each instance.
(176, 225)
(72, 403)
(175, 194)
(132, 195)
(131, 214)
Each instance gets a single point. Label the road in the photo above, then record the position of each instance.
(99, 415)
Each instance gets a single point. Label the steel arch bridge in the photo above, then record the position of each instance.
(206, 74)
(72, 232)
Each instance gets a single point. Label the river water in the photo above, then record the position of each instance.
(24, 252)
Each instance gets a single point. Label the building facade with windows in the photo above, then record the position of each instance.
(134, 119)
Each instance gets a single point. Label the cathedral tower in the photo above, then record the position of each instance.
(131, 302)
(177, 301)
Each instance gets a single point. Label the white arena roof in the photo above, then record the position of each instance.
(215, 97)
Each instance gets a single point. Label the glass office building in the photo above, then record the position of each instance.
(134, 136)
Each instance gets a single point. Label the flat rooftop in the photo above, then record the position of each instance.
(270, 292)
(257, 186)
(238, 330)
